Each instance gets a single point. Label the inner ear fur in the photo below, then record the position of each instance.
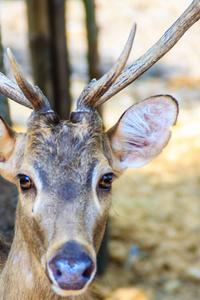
(142, 132)
(7, 140)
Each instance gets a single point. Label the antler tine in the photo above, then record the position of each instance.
(164, 44)
(33, 94)
(11, 90)
(90, 97)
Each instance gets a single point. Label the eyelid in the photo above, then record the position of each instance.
(21, 174)
(114, 176)
(17, 177)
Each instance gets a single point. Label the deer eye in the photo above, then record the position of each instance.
(106, 181)
(25, 182)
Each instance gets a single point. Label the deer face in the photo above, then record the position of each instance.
(64, 171)
(64, 175)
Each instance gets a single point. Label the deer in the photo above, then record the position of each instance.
(64, 170)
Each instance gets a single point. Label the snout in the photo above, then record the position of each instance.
(72, 267)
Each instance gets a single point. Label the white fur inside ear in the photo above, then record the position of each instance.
(143, 131)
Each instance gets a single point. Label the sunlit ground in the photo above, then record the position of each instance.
(155, 209)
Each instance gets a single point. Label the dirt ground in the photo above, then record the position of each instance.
(155, 214)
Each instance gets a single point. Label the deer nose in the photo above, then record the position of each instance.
(72, 267)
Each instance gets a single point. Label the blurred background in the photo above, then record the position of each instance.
(154, 224)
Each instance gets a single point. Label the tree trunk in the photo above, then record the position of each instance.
(92, 39)
(60, 62)
(48, 45)
(8, 192)
(92, 42)
(39, 41)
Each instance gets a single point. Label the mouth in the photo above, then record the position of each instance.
(65, 293)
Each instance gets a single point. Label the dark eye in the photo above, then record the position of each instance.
(106, 181)
(25, 182)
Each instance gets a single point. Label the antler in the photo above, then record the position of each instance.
(25, 94)
(164, 44)
(32, 93)
(93, 92)
(11, 90)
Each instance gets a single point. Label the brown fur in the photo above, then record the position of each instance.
(4, 251)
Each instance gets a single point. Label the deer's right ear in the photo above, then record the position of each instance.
(142, 132)
(8, 139)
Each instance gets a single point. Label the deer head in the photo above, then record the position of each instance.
(64, 172)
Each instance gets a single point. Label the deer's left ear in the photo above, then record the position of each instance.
(142, 132)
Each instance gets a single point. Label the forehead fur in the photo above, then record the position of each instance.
(64, 143)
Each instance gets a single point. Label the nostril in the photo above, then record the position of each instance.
(58, 273)
(88, 271)
(55, 268)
